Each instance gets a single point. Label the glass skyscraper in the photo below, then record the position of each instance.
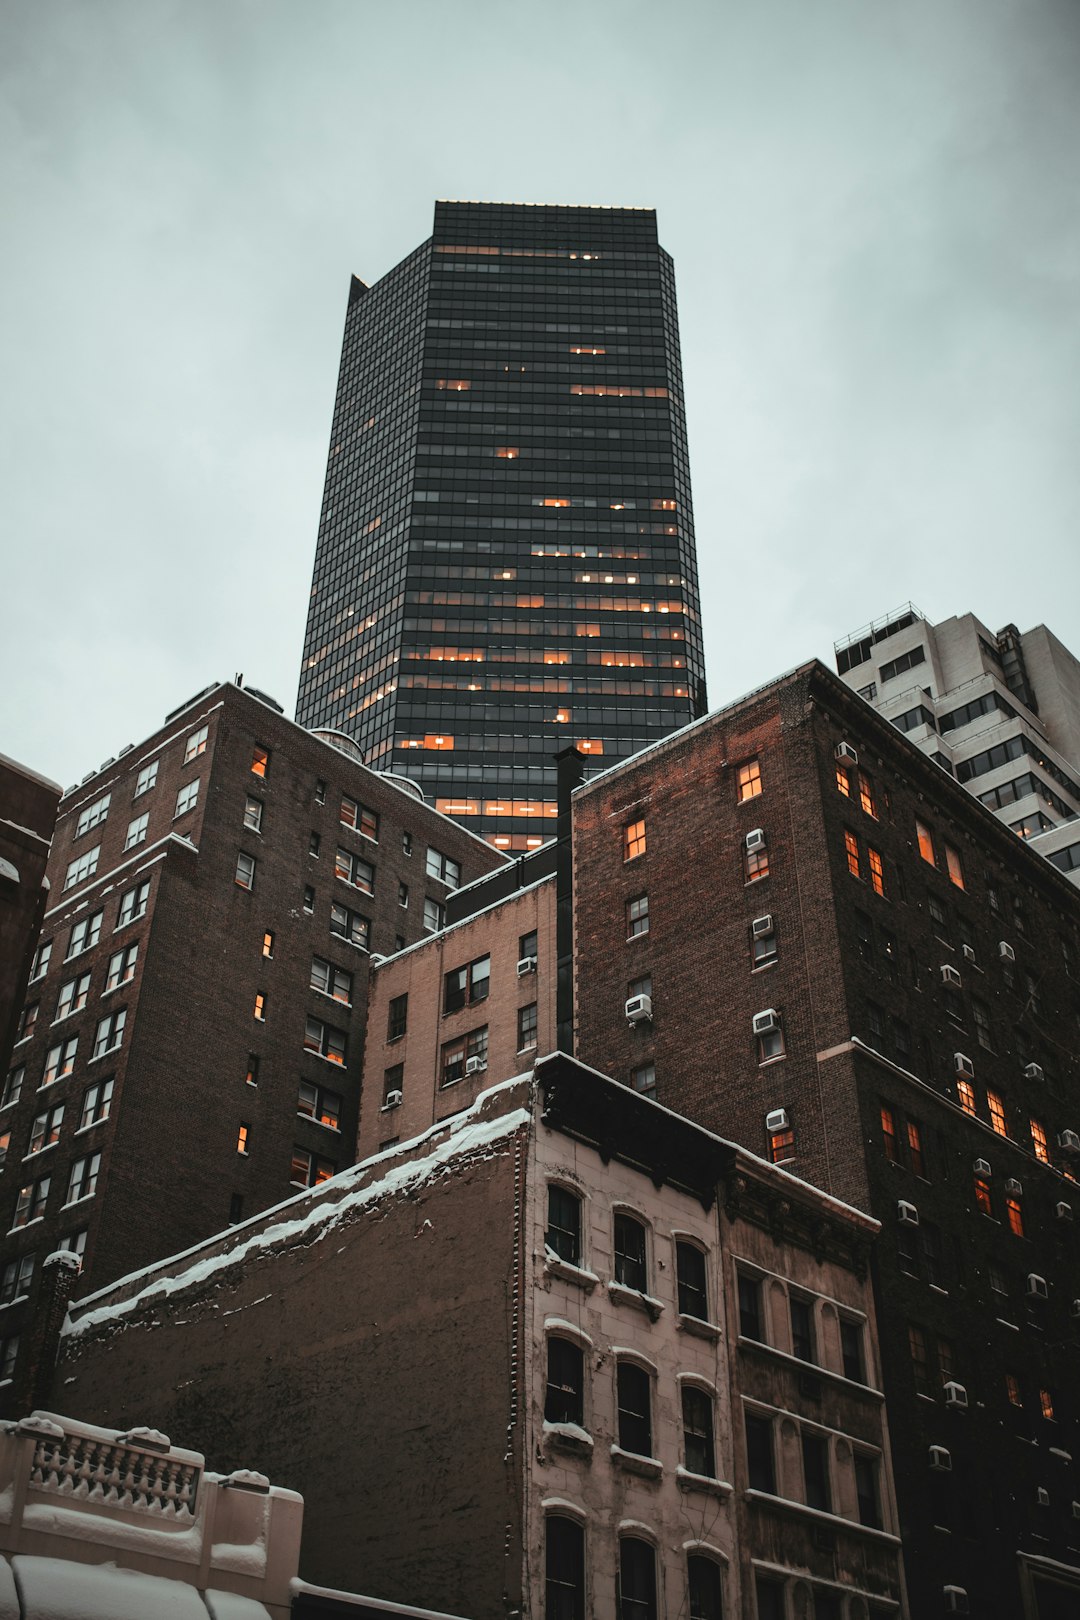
(506, 561)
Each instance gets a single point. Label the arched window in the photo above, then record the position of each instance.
(637, 1579)
(564, 1591)
(705, 1586)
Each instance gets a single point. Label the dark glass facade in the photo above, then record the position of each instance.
(506, 557)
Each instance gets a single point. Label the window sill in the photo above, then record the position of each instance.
(326, 995)
(62, 1018)
(321, 1123)
(99, 1057)
(647, 1467)
(35, 1222)
(621, 1295)
(556, 1266)
(111, 989)
(388, 1107)
(337, 1063)
(73, 1203)
(630, 938)
(530, 1048)
(22, 1041)
(37, 1152)
(568, 1437)
(127, 922)
(834, 1520)
(699, 1328)
(81, 1131)
(20, 1299)
(762, 967)
(688, 1481)
(353, 944)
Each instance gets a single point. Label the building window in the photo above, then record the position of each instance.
(699, 1449)
(434, 915)
(637, 1580)
(27, 1021)
(309, 897)
(146, 779)
(888, 1134)
(351, 869)
(1012, 1389)
(72, 997)
(877, 872)
(563, 1235)
(920, 1361)
(253, 813)
(9, 1355)
(260, 761)
(360, 818)
(251, 1078)
(333, 981)
(314, 844)
(996, 1104)
(268, 944)
(245, 870)
(40, 964)
(851, 849)
(350, 925)
(749, 780)
(84, 1178)
(643, 1079)
(802, 1329)
(236, 1208)
(397, 1017)
(866, 794)
(75, 1242)
(815, 1461)
(45, 1130)
(954, 866)
(1039, 1144)
(243, 1138)
(637, 916)
(526, 1018)
(781, 1144)
(1014, 1215)
(691, 1274)
(867, 1494)
(82, 867)
(32, 1200)
(770, 1043)
(133, 904)
(750, 1321)
(403, 894)
(110, 1033)
(442, 868)
(755, 864)
(938, 914)
(325, 1041)
(915, 1150)
(760, 1463)
(564, 1397)
(1046, 1404)
(136, 833)
(93, 815)
(464, 1057)
(926, 842)
(393, 1085)
(633, 840)
(406, 843)
(196, 744)
(464, 986)
(851, 1350)
(308, 1170)
(965, 1093)
(564, 1569)
(13, 1085)
(630, 1266)
(635, 1408)
(763, 948)
(260, 1006)
(316, 1103)
(121, 966)
(843, 780)
(187, 798)
(97, 1100)
(983, 1201)
(85, 934)
(16, 1278)
(60, 1060)
(981, 1020)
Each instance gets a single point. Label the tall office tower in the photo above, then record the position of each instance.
(999, 712)
(506, 555)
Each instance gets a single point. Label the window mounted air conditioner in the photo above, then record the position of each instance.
(1063, 1211)
(1036, 1286)
(393, 1099)
(639, 1009)
(777, 1120)
(941, 1459)
(1076, 1510)
(1033, 1071)
(1014, 1188)
(761, 927)
(963, 1065)
(526, 965)
(956, 1395)
(982, 1167)
(845, 752)
(950, 975)
(1074, 1308)
(765, 1022)
(907, 1214)
(475, 1065)
(1006, 952)
(1068, 1141)
(969, 952)
(1042, 1496)
(755, 839)
(956, 1600)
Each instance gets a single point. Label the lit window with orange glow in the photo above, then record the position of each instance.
(663, 506)
(866, 795)
(749, 780)
(584, 348)
(508, 452)
(562, 717)
(983, 1201)
(458, 807)
(965, 1094)
(633, 840)
(996, 1104)
(851, 848)
(1046, 1404)
(260, 1007)
(926, 842)
(376, 523)
(877, 871)
(589, 745)
(954, 866)
(457, 385)
(1039, 1144)
(555, 500)
(1012, 1389)
(243, 1138)
(1014, 1215)
(843, 782)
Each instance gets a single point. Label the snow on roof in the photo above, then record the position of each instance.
(61, 1589)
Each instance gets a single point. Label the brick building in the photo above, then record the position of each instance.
(27, 816)
(872, 980)
(191, 1038)
(561, 1345)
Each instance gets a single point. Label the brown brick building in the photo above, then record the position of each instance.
(27, 817)
(557, 1347)
(191, 1042)
(855, 969)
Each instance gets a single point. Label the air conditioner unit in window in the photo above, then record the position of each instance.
(1074, 1308)
(1036, 1286)
(393, 1099)
(969, 952)
(907, 1214)
(1076, 1510)
(941, 1459)
(956, 1600)
(475, 1065)
(950, 975)
(755, 839)
(1042, 1496)
(1033, 1071)
(526, 965)
(1014, 1188)
(777, 1120)
(761, 927)
(845, 752)
(1068, 1141)
(1006, 952)
(765, 1022)
(982, 1167)
(963, 1065)
(956, 1395)
(1063, 1211)
(639, 1009)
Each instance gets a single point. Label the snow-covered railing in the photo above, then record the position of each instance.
(141, 1470)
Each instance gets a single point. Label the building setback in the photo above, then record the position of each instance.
(506, 559)
(192, 1031)
(621, 1309)
(999, 712)
(871, 980)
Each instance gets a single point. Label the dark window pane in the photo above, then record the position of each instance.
(637, 1580)
(750, 1307)
(706, 1589)
(635, 1418)
(565, 1570)
(564, 1401)
(564, 1225)
(697, 1412)
(759, 1454)
(693, 1295)
(630, 1252)
(816, 1472)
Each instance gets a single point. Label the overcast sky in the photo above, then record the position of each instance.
(874, 210)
